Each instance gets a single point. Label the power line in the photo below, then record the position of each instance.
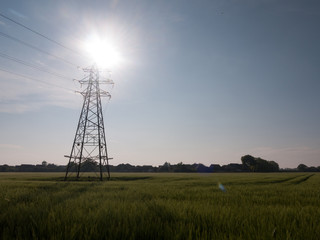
(36, 48)
(40, 34)
(37, 80)
(3, 55)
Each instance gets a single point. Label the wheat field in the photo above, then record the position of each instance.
(161, 206)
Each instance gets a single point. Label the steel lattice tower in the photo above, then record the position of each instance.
(89, 149)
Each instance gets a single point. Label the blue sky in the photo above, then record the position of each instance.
(200, 81)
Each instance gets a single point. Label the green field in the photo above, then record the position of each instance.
(161, 206)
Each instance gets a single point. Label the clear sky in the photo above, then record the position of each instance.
(198, 81)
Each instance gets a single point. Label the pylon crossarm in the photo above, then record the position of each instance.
(108, 81)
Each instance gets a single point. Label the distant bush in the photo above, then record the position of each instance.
(305, 168)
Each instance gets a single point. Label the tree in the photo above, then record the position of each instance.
(248, 162)
(258, 164)
(274, 166)
(181, 167)
(262, 165)
(166, 167)
(312, 169)
(89, 165)
(302, 168)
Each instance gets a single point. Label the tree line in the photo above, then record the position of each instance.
(248, 164)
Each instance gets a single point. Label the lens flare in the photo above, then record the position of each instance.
(222, 188)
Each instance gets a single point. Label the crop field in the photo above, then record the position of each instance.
(161, 206)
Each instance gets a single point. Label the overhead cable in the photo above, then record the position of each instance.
(36, 48)
(31, 65)
(37, 80)
(40, 34)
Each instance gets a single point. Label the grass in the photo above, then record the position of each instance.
(161, 206)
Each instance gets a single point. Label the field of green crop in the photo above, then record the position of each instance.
(161, 206)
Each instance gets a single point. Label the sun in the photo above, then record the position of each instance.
(103, 52)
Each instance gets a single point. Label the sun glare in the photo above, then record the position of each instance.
(104, 53)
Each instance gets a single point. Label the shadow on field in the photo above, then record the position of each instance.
(303, 179)
(97, 179)
(284, 180)
(129, 178)
(290, 180)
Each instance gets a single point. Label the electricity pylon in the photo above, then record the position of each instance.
(89, 149)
